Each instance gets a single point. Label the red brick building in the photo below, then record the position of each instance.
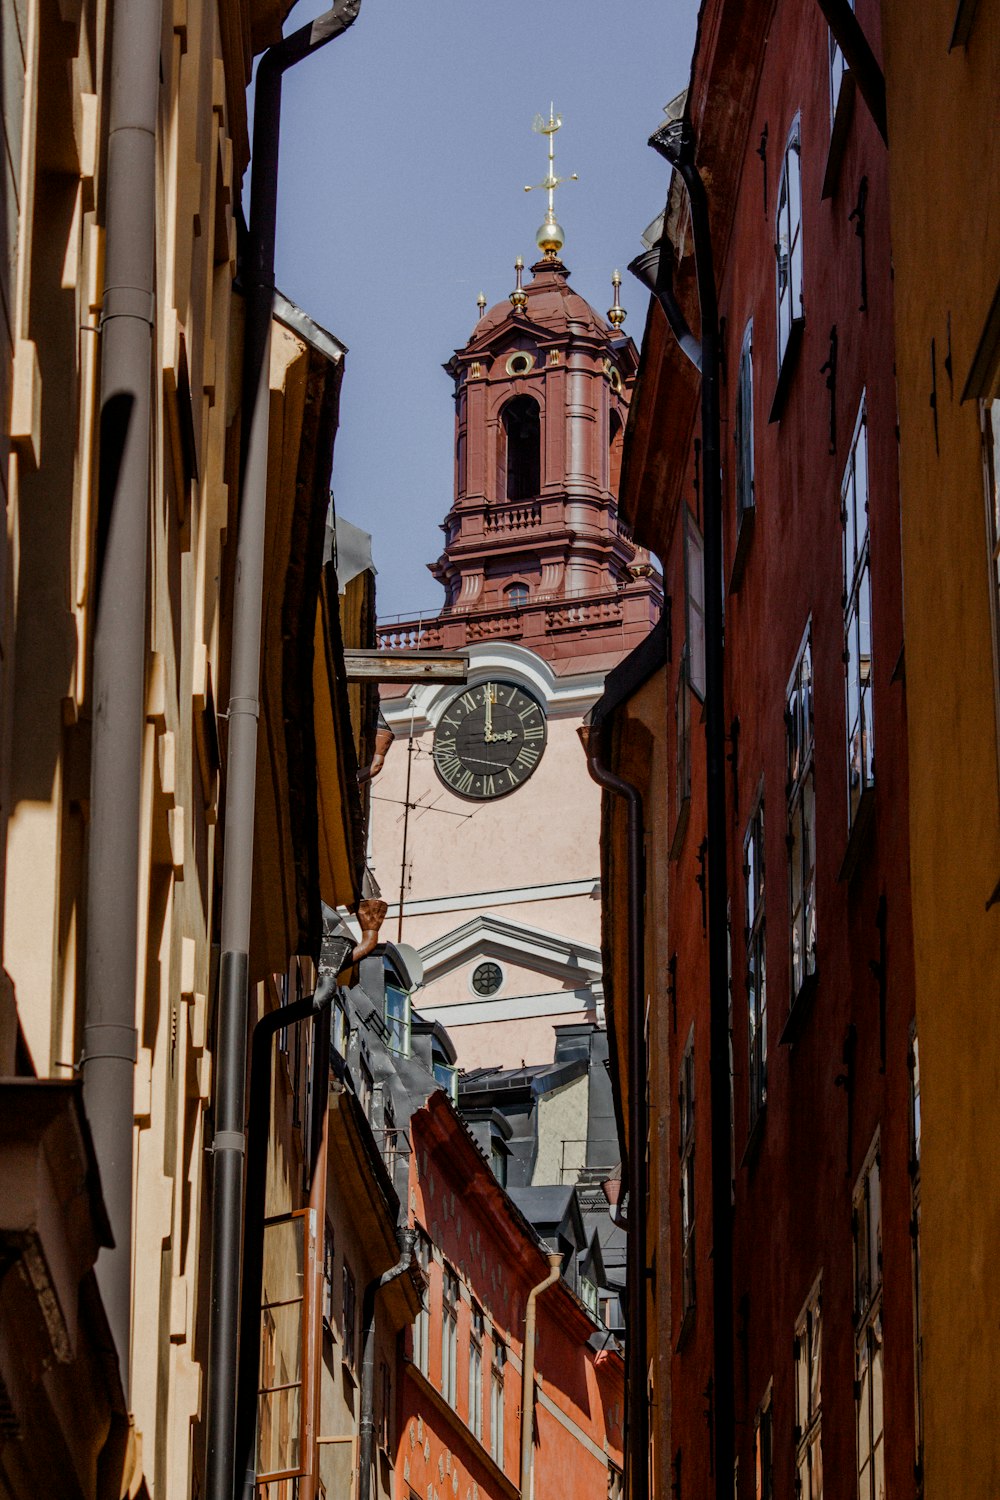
(461, 1397)
(823, 1349)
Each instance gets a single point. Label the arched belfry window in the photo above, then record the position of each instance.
(521, 450)
(616, 443)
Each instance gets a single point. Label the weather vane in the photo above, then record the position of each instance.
(550, 237)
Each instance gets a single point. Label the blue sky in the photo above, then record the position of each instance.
(406, 145)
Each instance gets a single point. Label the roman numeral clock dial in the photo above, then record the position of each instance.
(489, 740)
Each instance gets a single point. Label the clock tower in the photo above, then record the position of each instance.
(486, 825)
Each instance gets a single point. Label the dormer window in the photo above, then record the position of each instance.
(397, 1019)
(519, 469)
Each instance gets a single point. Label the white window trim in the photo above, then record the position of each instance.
(791, 170)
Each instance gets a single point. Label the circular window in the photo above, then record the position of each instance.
(520, 364)
(487, 978)
(616, 381)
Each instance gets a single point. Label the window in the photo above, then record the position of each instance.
(858, 619)
(682, 721)
(801, 788)
(838, 68)
(397, 1019)
(685, 1100)
(616, 1482)
(329, 1301)
(808, 1350)
(290, 1253)
(516, 595)
(743, 430)
(753, 878)
(990, 419)
(519, 474)
(366, 1086)
(694, 584)
(867, 1222)
(498, 1157)
(788, 244)
(390, 1137)
(476, 1371)
(449, 1335)
(616, 447)
(422, 1323)
(350, 1319)
(339, 1032)
(763, 1448)
(496, 1399)
(918, 1333)
(487, 978)
(447, 1077)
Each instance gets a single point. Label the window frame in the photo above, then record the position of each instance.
(869, 1382)
(763, 1446)
(859, 677)
(477, 1332)
(694, 604)
(423, 1254)
(789, 204)
(800, 786)
(497, 1387)
(755, 941)
(808, 1355)
(743, 433)
(451, 1296)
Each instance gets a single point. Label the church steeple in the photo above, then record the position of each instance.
(534, 550)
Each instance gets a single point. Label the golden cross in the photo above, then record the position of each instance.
(548, 127)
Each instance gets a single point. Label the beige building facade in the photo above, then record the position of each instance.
(75, 1427)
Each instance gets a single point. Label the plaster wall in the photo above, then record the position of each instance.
(943, 185)
(562, 1133)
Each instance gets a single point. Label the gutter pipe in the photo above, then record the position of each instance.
(635, 1332)
(647, 268)
(366, 1421)
(528, 1372)
(676, 143)
(241, 768)
(120, 632)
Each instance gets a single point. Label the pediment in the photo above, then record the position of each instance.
(572, 963)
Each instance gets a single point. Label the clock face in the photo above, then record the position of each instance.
(489, 741)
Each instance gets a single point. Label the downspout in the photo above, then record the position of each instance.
(241, 764)
(120, 630)
(366, 1421)
(528, 1372)
(242, 1479)
(635, 1332)
(676, 143)
(655, 271)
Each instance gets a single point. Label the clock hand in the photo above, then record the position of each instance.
(488, 736)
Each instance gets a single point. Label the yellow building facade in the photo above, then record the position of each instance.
(941, 65)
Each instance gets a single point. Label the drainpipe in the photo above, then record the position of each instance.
(366, 1422)
(676, 143)
(528, 1372)
(109, 1029)
(241, 764)
(635, 1332)
(655, 271)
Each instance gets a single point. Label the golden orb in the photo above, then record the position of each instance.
(551, 236)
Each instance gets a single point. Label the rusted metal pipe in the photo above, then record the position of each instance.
(528, 1372)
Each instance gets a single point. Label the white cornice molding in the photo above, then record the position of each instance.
(511, 1008)
(475, 900)
(526, 947)
(568, 697)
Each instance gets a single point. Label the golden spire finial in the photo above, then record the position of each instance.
(481, 303)
(617, 313)
(519, 296)
(550, 237)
